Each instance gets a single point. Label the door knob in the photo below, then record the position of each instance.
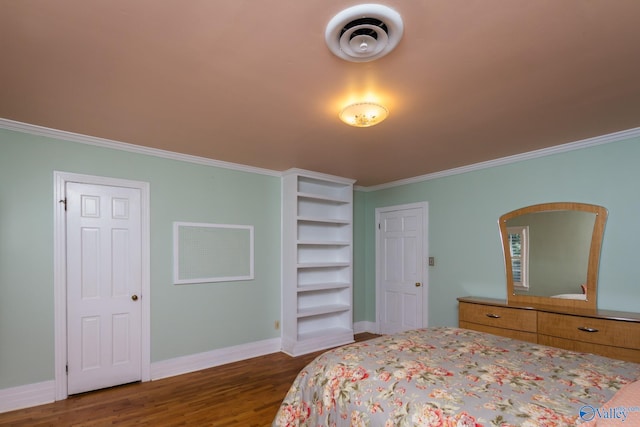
(134, 297)
(418, 284)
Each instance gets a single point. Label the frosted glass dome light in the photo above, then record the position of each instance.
(363, 114)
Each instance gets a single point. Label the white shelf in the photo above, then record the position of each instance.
(323, 198)
(324, 264)
(324, 220)
(317, 300)
(323, 243)
(323, 286)
(323, 309)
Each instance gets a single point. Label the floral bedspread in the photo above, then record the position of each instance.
(450, 377)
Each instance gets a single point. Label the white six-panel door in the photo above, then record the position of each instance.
(103, 286)
(400, 262)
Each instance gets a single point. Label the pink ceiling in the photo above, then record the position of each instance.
(252, 82)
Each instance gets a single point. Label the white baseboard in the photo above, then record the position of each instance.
(28, 395)
(364, 326)
(209, 359)
(197, 362)
(42, 393)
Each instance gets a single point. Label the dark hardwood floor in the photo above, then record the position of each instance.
(246, 393)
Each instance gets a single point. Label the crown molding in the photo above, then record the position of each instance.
(123, 146)
(117, 145)
(577, 145)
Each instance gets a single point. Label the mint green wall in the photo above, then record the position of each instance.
(463, 229)
(188, 319)
(185, 319)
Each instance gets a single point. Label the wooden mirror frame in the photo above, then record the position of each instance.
(593, 262)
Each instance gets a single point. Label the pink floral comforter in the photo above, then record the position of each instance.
(450, 377)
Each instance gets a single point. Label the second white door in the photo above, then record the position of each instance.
(103, 286)
(401, 272)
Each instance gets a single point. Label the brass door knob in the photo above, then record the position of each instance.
(134, 297)
(418, 284)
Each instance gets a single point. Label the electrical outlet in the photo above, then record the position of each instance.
(277, 325)
(432, 261)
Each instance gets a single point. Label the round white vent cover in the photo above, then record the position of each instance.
(365, 32)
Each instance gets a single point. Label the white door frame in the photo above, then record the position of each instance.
(425, 252)
(60, 276)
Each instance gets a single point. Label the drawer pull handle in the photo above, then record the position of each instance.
(585, 329)
(493, 316)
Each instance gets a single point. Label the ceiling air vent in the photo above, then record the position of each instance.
(365, 32)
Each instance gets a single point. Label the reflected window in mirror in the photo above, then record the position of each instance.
(519, 248)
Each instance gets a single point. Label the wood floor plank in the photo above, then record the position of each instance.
(246, 393)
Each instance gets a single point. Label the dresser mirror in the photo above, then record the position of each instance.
(552, 253)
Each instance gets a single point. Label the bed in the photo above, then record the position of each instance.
(454, 377)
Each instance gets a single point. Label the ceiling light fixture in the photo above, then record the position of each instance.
(363, 114)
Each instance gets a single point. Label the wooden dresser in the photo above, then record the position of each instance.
(613, 334)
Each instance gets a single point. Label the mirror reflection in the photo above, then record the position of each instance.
(552, 253)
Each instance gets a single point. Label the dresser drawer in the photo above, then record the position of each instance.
(628, 354)
(509, 333)
(608, 332)
(498, 317)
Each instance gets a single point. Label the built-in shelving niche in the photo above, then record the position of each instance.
(317, 265)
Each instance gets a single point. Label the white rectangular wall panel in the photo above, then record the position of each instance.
(212, 252)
